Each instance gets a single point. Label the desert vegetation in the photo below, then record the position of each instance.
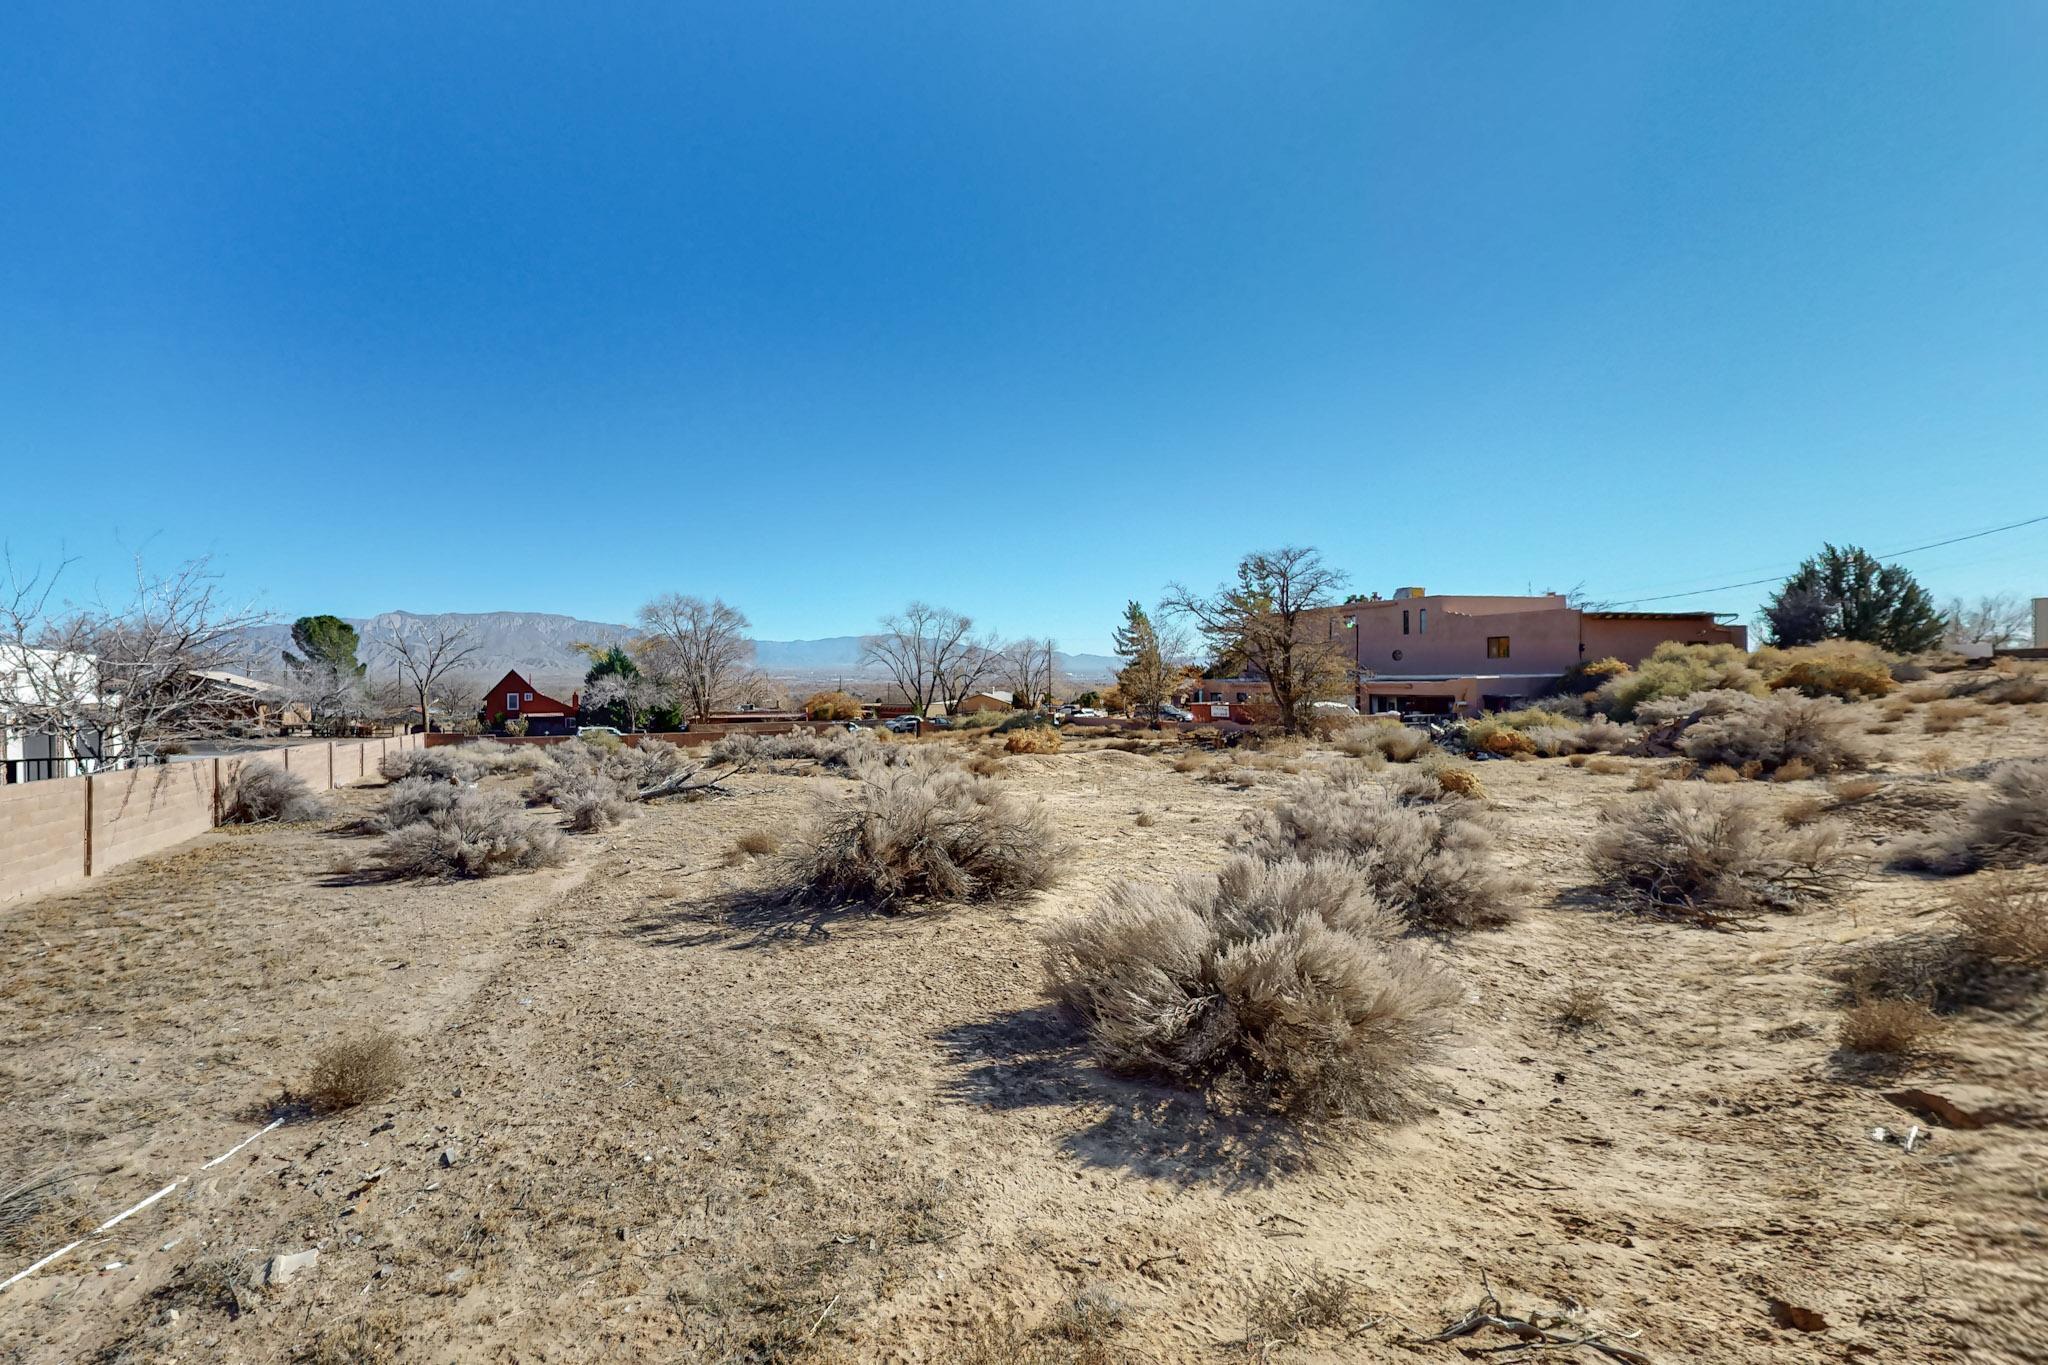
(260, 794)
(1714, 857)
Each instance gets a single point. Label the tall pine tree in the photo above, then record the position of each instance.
(1846, 594)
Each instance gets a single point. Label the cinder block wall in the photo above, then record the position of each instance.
(57, 833)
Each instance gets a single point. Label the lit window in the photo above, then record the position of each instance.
(511, 701)
(1496, 646)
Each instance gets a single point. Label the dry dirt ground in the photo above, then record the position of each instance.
(649, 1114)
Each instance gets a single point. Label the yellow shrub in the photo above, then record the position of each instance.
(1036, 739)
(1844, 678)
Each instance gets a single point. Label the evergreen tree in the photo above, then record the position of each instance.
(1147, 680)
(326, 644)
(1846, 594)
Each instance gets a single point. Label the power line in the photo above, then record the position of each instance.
(1890, 554)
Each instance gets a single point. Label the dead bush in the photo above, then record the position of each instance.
(478, 834)
(1773, 731)
(1432, 864)
(1272, 985)
(596, 807)
(2005, 827)
(1720, 773)
(1284, 1308)
(1887, 1026)
(443, 763)
(1606, 766)
(924, 834)
(1436, 782)
(2002, 922)
(1843, 677)
(1582, 1007)
(409, 801)
(1035, 739)
(1713, 857)
(755, 843)
(1384, 739)
(355, 1070)
(1990, 950)
(1793, 770)
(27, 1194)
(259, 794)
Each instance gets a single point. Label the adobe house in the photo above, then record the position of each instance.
(986, 701)
(513, 698)
(1461, 654)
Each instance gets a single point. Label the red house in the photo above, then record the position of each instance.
(515, 699)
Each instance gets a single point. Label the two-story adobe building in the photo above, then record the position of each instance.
(1460, 654)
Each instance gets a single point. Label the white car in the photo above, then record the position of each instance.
(597, 730)
(901, 725)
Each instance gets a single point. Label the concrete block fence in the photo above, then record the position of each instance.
(58, 833)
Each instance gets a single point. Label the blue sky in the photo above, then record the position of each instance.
(1024, 309)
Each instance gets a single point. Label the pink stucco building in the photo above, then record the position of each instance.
(1459, 654)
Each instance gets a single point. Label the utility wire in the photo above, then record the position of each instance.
(1779, 578)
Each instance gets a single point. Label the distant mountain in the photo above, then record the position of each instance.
(542, 646)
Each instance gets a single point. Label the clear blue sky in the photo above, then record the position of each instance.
(1025, 309)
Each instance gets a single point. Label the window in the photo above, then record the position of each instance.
(1496, 646)
(1404, 620)
(511, 701)
(1243, 697)
(1422, 621)
(529, 696)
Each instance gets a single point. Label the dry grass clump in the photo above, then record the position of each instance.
(755, 843)
(1944, 717)
(463, 763)
(1284, 1308)
(1847, 669)
(1720, 773)
(259, 794)
(1581, 1007)
(478, 834)
(589, 809)
(1887, 1025)
(2002, 922)
(1386, 739)
(1433, 864)
(355, 1070)
(26, 1196)
(1990, 950)
(1439, 781)
(1772, 731)
(2005, 827)
(1713, 857)
(1606, 766)
(1036, 739)
(1273, 985)
(1675, 670)
(1081, 1331)
(1793, 770)
(2007, 682)
(924, 834)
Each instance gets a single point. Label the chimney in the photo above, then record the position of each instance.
(576, 700)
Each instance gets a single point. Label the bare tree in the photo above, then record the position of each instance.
(633, 694)
(932, 653)
(1266, 618)
(1027, 665)
(699, 650)
(117, 679)
(426, 655)
(1992, 621)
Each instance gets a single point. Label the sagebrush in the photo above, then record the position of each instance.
(1433, 864)
(1276, 985)
(924, 834)
(1714, 856)
(2005, 827)
(355, 1070)
(261, 794)
(477, 834)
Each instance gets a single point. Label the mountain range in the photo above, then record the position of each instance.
(542, 646)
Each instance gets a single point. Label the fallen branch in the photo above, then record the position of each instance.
(1537, 1332)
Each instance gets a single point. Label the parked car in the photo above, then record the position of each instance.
(597, 730)
(902, 725)
(1172, 712)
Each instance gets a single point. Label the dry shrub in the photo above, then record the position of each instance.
(1990, 950)
(1602, 735)
(1576, 761)
(1145, 820)
(1855, 789)
(1713, 856)
(1494, 735)
(1035, 739)
(1720, 773)
(1458, 782)
(1675, 670)
(355, 1070)
(1079, 1332)
(1943, 717)
(1432, 864)
(1274, 985)
(755, 843)
(1775, 730)
(1830, 670)
(1794, 770)
(409, 801)
(2015, 684)
(1284, 1308)
(1606, 766)
(259, 794)
(1938, 759)
(460, 763)
(1583, 1006)
(27, 1194)
(2006, 827)
(1385, 739)
(984, 764)
(593, 808)
(1190, 763)
(1803, 812)
(2002, 922)
(479, 834)
(924, 834)
(1887, 1025)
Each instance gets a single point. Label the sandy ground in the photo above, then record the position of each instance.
(649, 1115)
